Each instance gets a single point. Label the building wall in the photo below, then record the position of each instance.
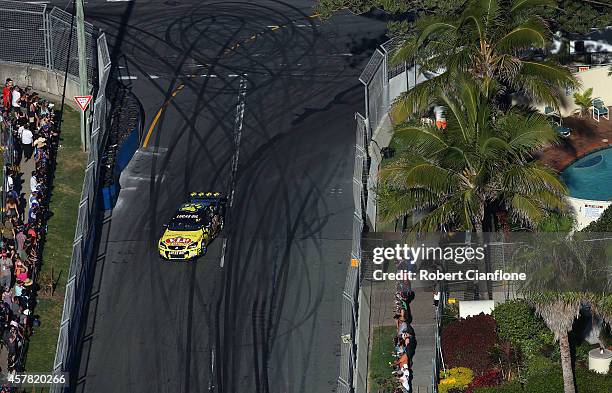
(598, 79)
(587, 211)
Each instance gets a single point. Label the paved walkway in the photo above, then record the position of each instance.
(26, 168)
(587, 135)
(423, 322)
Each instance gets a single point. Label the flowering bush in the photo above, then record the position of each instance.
(458, 377)
(468, 342)
(488, 379)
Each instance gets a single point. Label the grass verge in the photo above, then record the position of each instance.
(379, 373)
(57, 252)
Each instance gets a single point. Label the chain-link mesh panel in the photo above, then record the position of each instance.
(371, 207)
(374, 76)
(103, 55)
(65, 48)
(391, 47)
(22, 32)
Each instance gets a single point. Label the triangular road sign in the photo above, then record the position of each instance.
(83, 101)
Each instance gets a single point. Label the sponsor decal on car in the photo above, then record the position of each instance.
(178, 241)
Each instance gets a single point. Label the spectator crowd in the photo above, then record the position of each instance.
(29, 140)
(404, 342)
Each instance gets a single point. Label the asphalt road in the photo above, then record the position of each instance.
(266, 317)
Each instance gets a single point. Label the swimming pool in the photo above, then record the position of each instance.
(590, 177)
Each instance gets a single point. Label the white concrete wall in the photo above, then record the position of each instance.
(397, 85)
(44, 81)
(586, 211)
(470, 308)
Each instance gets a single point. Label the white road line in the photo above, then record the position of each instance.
(223, 247)
(153, 76)
(118, 1)
(127, 77)
(232, 75)
(237, 137)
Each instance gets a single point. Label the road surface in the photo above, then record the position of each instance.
(265, 316)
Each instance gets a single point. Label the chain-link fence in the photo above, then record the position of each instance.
(350, 295)
(83, 250)
(375, 79)
(38, 35)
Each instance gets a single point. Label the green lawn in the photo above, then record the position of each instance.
(57, 254)
(379, 373)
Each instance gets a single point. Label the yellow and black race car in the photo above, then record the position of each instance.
(194, 226)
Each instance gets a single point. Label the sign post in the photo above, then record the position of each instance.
(83, 103)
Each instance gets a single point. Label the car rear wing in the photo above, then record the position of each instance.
(208, 198)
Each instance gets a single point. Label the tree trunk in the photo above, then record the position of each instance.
(566, 364)
(483, 265)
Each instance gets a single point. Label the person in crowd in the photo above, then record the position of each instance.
(18, 288)
(11, 208)
(9, 182)
(6, 264)
(21, 271)
(7, 93)
(34, 133)
(15, 99)
(20, 238)
(27, 137)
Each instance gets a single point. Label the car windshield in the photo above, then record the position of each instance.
(179, 224)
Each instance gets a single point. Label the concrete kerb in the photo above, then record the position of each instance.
(43, 80)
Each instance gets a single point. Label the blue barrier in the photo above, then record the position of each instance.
(127, 150)
(125, 153)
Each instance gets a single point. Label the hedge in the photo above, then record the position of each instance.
(468, 343)
(517, 323)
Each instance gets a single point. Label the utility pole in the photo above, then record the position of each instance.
(82, 48)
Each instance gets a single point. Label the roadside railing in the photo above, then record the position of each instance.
(382, 84)
(88, 223)
(39, 35)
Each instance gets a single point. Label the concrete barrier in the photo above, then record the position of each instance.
(44, 81)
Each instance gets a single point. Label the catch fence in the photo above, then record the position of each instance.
(382, 84)
(39, 35)
(350, 295)
(88, 223)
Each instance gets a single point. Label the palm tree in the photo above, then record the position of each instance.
(491, 40)
(482, 159)
(584, 100)
(559, 310)
(564, 272)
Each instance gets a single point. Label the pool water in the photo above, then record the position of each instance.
(590, 177)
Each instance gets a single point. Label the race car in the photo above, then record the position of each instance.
(194, 226)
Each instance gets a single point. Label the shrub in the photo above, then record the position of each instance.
(517, 323)
(512, 387)
(582, 351)
(507, 358)
(591, 382)
(539, 364)
(550, 381)
(467, 343)
(450, 314)
(455, 378)
(490, 378)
